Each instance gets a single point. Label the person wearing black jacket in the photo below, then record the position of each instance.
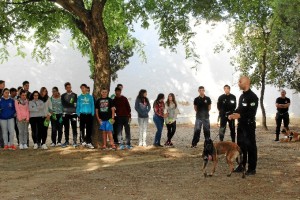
(245, 113)
(68, 101)
(226, 105)
(282, 105)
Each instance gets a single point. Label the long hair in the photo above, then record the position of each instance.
(159, 97)
(34, 92)
(173, 98)
(141, 96)
(45, 98)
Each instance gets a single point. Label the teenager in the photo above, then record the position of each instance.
(26, 89)
(14, 95)
(47, 115)
(7, 121)
(85, 110)
(22, 109)
(2, 86)
(170, 113)
(143, 107)
(56, 118)
(158, 118)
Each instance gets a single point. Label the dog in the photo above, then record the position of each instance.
(290, 136)
(231, 150)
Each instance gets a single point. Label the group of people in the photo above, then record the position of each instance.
(19, 108)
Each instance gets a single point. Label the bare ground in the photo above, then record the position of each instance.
(148, 173)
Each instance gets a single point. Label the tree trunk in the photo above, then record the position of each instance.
(262, 92)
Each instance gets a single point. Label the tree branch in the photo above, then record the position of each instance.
(23, 2)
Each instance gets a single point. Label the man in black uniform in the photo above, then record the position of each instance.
(282, 105)
(226, 105)
(202, 106)
(245, 114)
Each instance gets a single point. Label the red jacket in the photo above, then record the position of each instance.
(122, 107)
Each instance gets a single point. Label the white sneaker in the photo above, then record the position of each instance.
(52, 145)
(25, 146)
(44, 146)
(83, 144)
(58, 144)
(90, 146)
(35, 146)
(21, 146)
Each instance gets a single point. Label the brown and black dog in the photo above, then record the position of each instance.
(290, 136)
(231, 150)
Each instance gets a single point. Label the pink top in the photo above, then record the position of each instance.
(22, 110)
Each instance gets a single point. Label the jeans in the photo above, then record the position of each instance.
(1, 138)
(247, 142)
(86, 122)
(143, 124)
(56, 129)
(23, 131)
(171, 130)
(197, 130)
(67, 118)
(159, 123)
(8, 130)
(120, 123)
(231, 123)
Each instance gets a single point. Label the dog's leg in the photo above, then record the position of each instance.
(205, 161)
(243, 165)
(215, 162)
(230, 163)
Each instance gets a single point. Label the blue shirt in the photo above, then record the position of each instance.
(85, 105)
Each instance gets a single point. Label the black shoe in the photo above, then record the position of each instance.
(238, 169)
(158, 145)
(250, 172)
(276, 140)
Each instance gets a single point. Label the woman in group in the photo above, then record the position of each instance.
(22, 109)
(142, 106)
(56, 119)
(36, 113)
(171, 112)
(47, 115)
(158, 118)
(7, 121)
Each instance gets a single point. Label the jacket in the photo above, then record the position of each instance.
(7, 108)
(22, 109)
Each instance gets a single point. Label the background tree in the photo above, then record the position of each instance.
(265, 44)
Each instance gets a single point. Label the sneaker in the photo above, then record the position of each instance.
(171, 144)
(44, 146)
(25, 146)
(12, 147)
(103, 147)
(121, 147)
(58, 144)
(35, 146)
(75, 144)
(90, 146)
(158, 145)
(83, 144)
(5, 147)
(114, 147)
(194, 146)
(65, 144)
(167, 143)
(21, 146)
(52, 145)
(129, 147)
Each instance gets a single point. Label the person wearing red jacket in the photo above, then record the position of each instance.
(123, 118)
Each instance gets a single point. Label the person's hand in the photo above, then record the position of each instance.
(48, 117)
(234, 116)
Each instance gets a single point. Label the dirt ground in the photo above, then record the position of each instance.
(148, 172)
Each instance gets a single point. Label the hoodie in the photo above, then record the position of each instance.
(7, 108)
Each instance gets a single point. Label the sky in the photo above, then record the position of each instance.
(164, 72)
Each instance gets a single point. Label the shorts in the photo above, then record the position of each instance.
(106, 126)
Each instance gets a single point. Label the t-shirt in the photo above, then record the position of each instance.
(285, 100)
(202, 104)
(104, 106)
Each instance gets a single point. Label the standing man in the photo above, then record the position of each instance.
(85, 110)
(282, 105)
(68, 101)
(26, 88)
(226, 105)
(245, 114)
(2, 86)
(123, 118)
(202, 106)
(115, 132)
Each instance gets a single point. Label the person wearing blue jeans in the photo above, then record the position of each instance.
(202, 106)
(158, 118)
